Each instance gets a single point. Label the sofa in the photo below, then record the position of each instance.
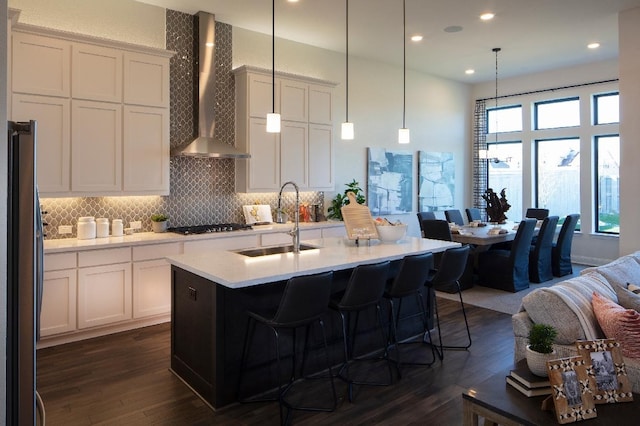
(568, 307)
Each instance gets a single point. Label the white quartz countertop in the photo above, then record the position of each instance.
(144, 238)
(234, 270)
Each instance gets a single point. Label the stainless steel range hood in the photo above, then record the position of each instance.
(205, 145)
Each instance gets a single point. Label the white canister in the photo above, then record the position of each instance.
(86, 228)
(102, 225)
(117, 228)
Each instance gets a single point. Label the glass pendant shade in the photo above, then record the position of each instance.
(273, 123)
(347, 131)
(404, 136)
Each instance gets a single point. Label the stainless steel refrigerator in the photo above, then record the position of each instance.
(24, 274)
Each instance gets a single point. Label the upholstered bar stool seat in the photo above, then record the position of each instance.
(363, 292)
(304, 301)
(414, 272)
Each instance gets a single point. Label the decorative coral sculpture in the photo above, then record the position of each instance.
(496, 207)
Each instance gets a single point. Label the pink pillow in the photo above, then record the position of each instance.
(618, 323)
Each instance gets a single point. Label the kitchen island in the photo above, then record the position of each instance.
(212, 291)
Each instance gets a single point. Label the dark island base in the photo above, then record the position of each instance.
(208, 324)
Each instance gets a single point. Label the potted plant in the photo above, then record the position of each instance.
(159, 222)
(341, 200)
(540, 348)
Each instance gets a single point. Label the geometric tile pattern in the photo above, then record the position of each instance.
(202, 189)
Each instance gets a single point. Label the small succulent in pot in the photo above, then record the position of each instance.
(540, 348)
(159, 217)
(159, 222)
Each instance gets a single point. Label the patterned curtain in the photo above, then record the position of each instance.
(480, 166)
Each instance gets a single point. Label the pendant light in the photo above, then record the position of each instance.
(347, 127)
(403, 133)
(273, 119)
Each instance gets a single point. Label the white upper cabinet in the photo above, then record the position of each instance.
(146, 80)
(53, 157)
(303, 151)
(96, 73)
(96, 132)
(40, 65)
(102, 109)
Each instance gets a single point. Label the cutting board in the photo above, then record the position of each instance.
(358, 221)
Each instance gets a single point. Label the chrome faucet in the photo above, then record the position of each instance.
(295, 232)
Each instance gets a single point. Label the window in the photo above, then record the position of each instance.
(557, 113)
(606, 108)
(607, 175)
(505, 171)
(505, 119)
(558, 175)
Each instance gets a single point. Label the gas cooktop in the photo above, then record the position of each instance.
(206, 229)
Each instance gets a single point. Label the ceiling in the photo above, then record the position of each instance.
(534, 36)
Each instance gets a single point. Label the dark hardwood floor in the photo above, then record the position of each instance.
(124, 379)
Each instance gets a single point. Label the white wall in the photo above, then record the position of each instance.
(588, 247)
(629, 34)
(437, 112)
(121, 20)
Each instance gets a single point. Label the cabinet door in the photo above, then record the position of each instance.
(260, 95)
(146, 150)
(151, 288)
(294, 152)
(264, 164)
(146, 80)
(104, 295)
(40, 65)
(293, 101)
(96, 73)
(320, 157)
(320, 108)
(54, 145)
(96, 152)
(58, 313)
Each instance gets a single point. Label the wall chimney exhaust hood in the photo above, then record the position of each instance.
(205, 145)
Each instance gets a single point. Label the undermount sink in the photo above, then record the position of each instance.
(265, 251)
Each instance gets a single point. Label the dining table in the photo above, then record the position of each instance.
(485, 234)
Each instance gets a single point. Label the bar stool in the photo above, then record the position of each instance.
(364, 291)
(452, 266)
(414, 271)
(304, 301)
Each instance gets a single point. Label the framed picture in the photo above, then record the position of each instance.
(571, 389)
(436, 181)
(390, 181)
(606, 369)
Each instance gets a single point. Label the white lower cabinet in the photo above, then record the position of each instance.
(104, 295)
(151, 288)
(58, 313)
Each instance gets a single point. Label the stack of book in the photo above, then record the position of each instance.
(526, 382)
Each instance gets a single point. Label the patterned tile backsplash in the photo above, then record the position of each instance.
(202, 190)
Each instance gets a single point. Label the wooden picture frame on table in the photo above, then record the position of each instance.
(607, 370)
(571, 389)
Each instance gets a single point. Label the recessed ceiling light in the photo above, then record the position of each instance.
(453, 29)
(292, 1)
(487, 16)
(416, 37)
(593, 45)
(470, 71)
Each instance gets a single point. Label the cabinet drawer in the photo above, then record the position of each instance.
(104, 257)
(156, 251)
(58, 261)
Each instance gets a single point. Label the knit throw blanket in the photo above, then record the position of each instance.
(576, 293)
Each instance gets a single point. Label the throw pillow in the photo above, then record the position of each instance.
(628, 299)
(633, 288)
(621, 271)
(618, 323)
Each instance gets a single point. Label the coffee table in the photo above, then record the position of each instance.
(499, 403)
